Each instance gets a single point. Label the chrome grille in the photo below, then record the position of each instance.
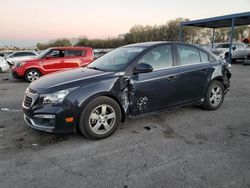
(27, 101)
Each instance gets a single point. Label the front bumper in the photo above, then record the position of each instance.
(42, 123)
(18, 72)
(48, 117)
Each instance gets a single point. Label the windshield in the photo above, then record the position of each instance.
(117, 59)
(42, 54)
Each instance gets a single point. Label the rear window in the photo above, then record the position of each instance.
(19, 54)
(71, 53)
(188, 55)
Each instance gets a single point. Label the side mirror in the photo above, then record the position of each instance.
(143, 68)
(234, 48)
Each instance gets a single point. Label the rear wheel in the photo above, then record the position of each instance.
(32, 75)
(100, 118)
(214, 96)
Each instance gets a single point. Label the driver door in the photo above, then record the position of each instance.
(52, 61)
(157, 89)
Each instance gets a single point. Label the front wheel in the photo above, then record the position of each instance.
(32, 75)
(214, 96)
(100, 118)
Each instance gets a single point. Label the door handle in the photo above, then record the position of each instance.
(171, 78)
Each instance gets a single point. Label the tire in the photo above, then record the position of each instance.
(100, 118)
(227, 57)
(32, 75)
(1, 70)
(214, 96)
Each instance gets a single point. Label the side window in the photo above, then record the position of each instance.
(204, 56)
(211, 58)
(30, 54)
(18, 54)
(188, 55)
(71, 53)
(56, 53)
(158, 58)
(241, 46)
(26, 54)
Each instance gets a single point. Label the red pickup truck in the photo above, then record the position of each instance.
(52, 60)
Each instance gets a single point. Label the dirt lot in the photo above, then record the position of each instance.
(188, 147)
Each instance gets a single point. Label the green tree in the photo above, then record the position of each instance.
(57, 43)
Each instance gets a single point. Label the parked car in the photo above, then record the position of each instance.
(20, 56)
(4, 66)
(100, 52)
(128, 81)
(52, 60)
(5, 53)
(239, 51)
(247, 60)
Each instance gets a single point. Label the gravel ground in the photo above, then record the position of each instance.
(187, 147)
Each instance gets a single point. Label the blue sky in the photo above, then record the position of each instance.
(25, 22)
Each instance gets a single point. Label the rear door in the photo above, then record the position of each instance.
(157, 89)
(194, 70)
(239, 51)
(72, 59)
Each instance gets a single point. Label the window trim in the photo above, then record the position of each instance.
(178, 56)
(200, 50)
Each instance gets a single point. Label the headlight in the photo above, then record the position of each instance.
(54, 98)
(20, 64)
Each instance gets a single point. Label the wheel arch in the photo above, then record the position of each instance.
(218, 78)
(32, 69)
(29, 69)
(92, 97)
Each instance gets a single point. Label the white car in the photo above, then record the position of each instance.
(239, 50)
(20, 56)
(4, 66)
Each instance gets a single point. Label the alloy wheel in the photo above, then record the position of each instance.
(102, 119)
(33, 75)
(215, 96)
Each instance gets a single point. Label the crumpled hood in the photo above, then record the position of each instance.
(68, 79)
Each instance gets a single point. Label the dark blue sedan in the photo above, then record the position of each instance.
(128, 81)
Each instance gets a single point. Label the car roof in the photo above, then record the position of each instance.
(24, 51)
(147, 44)
(156, 43)
(70, 48)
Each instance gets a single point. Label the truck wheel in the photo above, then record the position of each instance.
(214, 96)
(32, 75)
(100, 118)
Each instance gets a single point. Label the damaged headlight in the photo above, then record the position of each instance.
(54, 98)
